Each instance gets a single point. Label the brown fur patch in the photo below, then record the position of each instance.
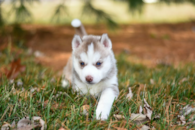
(98, 47)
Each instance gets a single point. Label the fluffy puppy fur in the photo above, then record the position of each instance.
(92, 69)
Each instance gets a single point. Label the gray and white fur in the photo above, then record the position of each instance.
(92, 69)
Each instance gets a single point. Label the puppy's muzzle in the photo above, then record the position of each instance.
(89, 79)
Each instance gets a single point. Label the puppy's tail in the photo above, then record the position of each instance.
(79, 28)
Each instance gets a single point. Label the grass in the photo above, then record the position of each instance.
(60, 107)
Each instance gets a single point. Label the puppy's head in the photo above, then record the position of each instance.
(92, 57)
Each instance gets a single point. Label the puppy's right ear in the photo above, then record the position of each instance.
(76, 42)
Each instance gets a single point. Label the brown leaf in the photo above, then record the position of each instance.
(145, 127)
(85, 109)
(182, 120)
(187, 110)
(43, 87)
(16, 69)
(184, 112)
(61, 128)
(27, 124)
(148, 109)
(5, 126)
(139, 118)
(119, 117)
(129, 95)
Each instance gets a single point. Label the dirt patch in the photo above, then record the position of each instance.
(149, 44)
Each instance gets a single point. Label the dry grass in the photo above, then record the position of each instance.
(41, 95)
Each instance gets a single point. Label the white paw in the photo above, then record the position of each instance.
(101, 115)
(65, 83)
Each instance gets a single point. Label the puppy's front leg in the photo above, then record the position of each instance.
(105, 103)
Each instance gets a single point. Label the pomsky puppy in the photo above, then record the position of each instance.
(92, 69)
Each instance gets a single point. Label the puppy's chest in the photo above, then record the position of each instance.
(94, 90)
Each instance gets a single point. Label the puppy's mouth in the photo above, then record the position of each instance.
(91, 83)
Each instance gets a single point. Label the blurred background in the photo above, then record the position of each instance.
(149, 32)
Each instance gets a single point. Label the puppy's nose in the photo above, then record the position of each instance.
(89, 78)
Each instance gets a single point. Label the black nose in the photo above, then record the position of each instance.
(89, 78)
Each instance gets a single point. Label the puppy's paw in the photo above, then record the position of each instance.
(65, 83)
(101, 115)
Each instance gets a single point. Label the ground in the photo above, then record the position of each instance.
(155, 60)
(149, 44)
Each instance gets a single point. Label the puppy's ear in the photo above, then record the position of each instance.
(76, 42)
(106, 41)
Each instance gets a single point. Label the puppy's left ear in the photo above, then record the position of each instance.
(106, 41)
(76, 42)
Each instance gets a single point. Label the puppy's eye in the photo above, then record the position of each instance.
(82, 63)
(98, 63)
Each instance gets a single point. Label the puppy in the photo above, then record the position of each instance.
(92, 69)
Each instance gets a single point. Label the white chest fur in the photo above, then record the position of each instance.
(94, 89)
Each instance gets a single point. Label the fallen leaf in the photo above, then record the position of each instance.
(43, 87)
(119, 117)
(140, 118)
(27, 124)
(182, 120)
(137, 116)
(145, 127)
(187, 110)
(140, 109)
(148, 109)
(157, 116)
(41, 121)
(152, 81)
(129, 95)
(192, 117)
(13, 125)
(5, 126)
(85, 109)
(16, 69)
(61, 128)
(153, 128)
